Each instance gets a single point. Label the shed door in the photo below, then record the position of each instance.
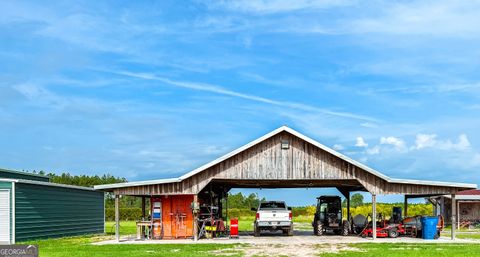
(4, 216)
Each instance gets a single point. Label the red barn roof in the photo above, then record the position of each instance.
(469, 192)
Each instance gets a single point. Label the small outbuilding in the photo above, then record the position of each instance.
(468, 207)
(31, 207)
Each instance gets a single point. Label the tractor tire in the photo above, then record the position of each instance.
(345, 228)
(256, 231)
(393, 233)
(319, 229)
(315, 228)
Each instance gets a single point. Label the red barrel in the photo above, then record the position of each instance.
(234, 228)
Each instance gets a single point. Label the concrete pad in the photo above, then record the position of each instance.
(299, 238)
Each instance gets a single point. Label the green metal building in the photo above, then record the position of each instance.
(31, 207)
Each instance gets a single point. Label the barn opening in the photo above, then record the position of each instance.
(283, 158)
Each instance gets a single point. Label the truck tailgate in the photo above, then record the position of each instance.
(274, 215)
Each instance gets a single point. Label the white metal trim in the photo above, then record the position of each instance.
(14, 235)
(137, 183)
(465, 197)
(297, 134)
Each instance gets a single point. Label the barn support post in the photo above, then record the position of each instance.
(454, 214)
(405, 206)
(117, 218)
(226, 208)
(348, 205)
(458, 214)
(143, 207)
(195, 216)
(374, 216)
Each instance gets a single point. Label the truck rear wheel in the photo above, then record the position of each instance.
(290, 231)
(256, 231)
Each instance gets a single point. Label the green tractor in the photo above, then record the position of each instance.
(328, 217)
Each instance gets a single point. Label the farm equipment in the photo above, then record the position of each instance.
(395, 226)
(328, 216)
(384, 229)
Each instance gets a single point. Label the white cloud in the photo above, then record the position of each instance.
(430, 141)
(338, 147)
(425, 140)
(374, 150)
(39, 94)
(438, 18)
(398, 143)
(279, 6)
(361, 142)
(369, 125)
(224, 91)
(463, 142)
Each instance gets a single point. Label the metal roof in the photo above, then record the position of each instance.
(22, 173)
(469, 192)
(34, 182)
(301, 136)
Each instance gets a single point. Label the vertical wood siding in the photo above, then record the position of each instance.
(268, 161)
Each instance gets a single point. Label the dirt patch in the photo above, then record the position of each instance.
(294, 250)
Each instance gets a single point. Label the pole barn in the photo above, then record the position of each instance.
(283, 158)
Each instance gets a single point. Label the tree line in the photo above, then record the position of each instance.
(81, 180)
(238, 203)
(91, 180)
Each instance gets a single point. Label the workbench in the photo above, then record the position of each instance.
(141, 225)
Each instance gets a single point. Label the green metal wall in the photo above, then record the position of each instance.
(8, 185)
(49, 211)
(12, 174)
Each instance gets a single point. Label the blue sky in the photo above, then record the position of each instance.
(154, 89)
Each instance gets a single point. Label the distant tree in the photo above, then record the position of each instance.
(240, 201)
(91, 180)
(355, 200)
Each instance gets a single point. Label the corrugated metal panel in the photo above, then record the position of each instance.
(5, 216)
(13, 174)
(47, 211)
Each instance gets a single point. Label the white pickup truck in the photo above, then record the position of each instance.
(272, 216)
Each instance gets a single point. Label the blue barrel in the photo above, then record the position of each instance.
(429, 227)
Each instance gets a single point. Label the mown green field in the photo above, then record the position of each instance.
(82, 247)
(409, 250)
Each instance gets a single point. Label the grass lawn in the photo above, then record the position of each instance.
(409, 250)
(126, 228)
(81, 247)
(449, 228)
(469, 236)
